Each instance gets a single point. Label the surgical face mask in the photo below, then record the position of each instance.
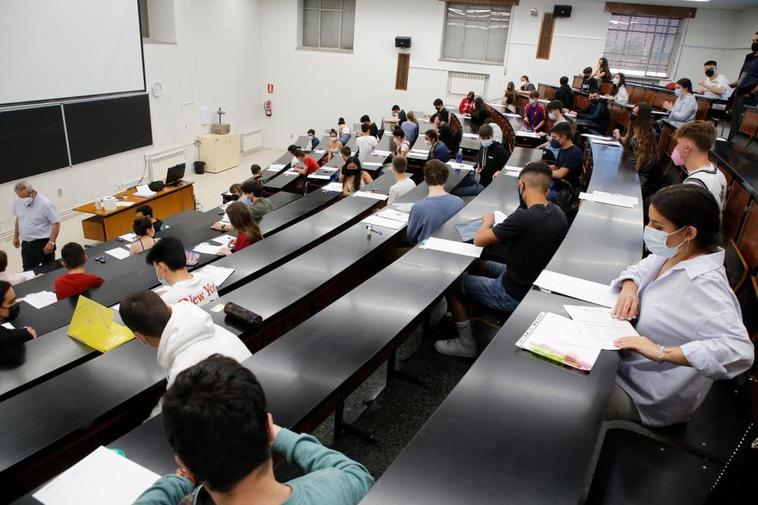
(679, 91)
(555, 144)
(333, 139)
(27, 200)
(428, 142)
(655, 241)
(486, 142)
(616, 81)
(532, 100)
(552, 115)
(677, 158)
(754, 47)
(523, 82)
(310, 137)
(709, 72)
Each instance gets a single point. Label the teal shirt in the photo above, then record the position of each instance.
(331, 477)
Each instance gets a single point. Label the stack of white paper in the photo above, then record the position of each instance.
(323, 177)
(128, 237)
(375, 220)
(452, 246)
(102, 477)
(598, 327)
(557, 338)
(40, 300)
(610, 199)
(144, 191)
(369, 194)
(206, 248)
(217, 274)
(581, 289)
(394, 215)
(524, 133)
(512, 168)
(381, 152)
(460, 166)
(333, 186)
(471, 135)
(371, 164)
(223, 239)
(118, 252)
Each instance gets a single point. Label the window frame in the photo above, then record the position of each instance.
(647, 74)
(508, 8)
(301, 25)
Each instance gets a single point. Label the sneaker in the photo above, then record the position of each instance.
(455, 347)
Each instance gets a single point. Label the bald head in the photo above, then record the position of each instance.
(537, 176)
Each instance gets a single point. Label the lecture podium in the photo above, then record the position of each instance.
(106, 225)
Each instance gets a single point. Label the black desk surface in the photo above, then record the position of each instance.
(519, 429)
(742, 163)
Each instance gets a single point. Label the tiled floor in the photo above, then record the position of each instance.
(208, 189)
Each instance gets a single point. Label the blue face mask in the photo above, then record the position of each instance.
(678, 91)
(655, 241)
(555, 144)
(486, 143)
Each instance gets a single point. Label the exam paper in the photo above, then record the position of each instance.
(557, 338)
(223, 239)
(118, 252)
(216, 274)
(471, 135)
(598, 327)
(452, 246)
(508, 173)
(333, 186)
(500, 216)
(206, 248)
(610, 199)
(381, 152)
(8, 325)
(102, 477)
(328, 170)
(524, 133)
(369, 194)
(402, 207)
(460, 166)
(512, 168)
(371, 164)
(394, 215)
(128, 237)
(593, 292)
(324, 177)
(375, 220)
(276, 166)
(40, 300)
(596, 137)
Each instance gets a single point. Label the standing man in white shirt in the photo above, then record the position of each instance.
(365, 142)
(715, 85)
(37, 226)
(404, 183)
(170, 262)
(693, 143)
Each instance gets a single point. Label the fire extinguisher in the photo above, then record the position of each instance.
(267, 107)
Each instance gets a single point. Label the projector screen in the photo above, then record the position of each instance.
(57, 49)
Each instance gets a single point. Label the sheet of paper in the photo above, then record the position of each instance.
(510, 114)
(381, 152)
(225, 218)
(394, 215)
(223, 239)
(217, 274)
(524, 133)
(425, 152)
(8, 325)
(28, 275)
(500, 216)
(402, 207)
(610, 199)
(128, 237)
(323, 177)
(369, 194)
(118, 252)
(614, 143)
(102, 477)
(206, 248)
(276, 166)
(596, 137)
(512, 168)
(508, 173)
(460, 166)
(333, 186)
(328, 170)
(319, 151)
(581, 289)
(471, 135)
(375, 220)
(557, 338)
(452, 246)
(372, 164)
(40, 300)
(418, 156)
(598, 327)
(124, 204)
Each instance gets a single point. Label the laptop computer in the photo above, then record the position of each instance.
(175, 174)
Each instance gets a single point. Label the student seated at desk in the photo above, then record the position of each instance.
(9, 309)
(641, 144)
(445, 133)
(147, 211)
(403, 182)
(183, 333)
(365, 142)
(372, 128)
(437, 149)
(715, 85)
(333, 146)
(235, 192)
(684, 109)
(313, 141)
(480, 115)
(11, 277)
(510, 97)
(602, 70)
(555, 114)
(589, 83)
(567, 169)
(534, 113)
(169, 260)
(411, 128)
(353, 178)
(686, 313)
(402, 146)
(467, 104)
(620, 94)
(595, 116)
(344, 131)
(76, 280)
(533, 233)
(565, 94)
(399, 115)
(256, 171)
(217, 422)
(254, 196)
(440, 110)
(431, 212)
(143, 228)
(526, 86)
(490, 159)
(693, 143)
(243, 223)
(305, 164)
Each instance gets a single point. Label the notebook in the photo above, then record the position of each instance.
(92, 324)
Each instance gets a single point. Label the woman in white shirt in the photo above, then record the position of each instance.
(334, 145)
(687, 315)
(620, 95)
(344, 130)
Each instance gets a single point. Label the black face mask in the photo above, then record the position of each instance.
(634, 117)
(754, 47)
(709, 72)
(13, 312)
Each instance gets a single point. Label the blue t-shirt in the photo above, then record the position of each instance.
(430, 213)
(440, 152)
(573, 159)
(411, 131)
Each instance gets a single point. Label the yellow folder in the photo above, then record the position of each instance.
(92, 324)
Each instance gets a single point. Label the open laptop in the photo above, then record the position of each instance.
(175, 174)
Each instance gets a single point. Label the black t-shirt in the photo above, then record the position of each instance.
(447, 137)
(532, 236)
(573, 159)
(566, 95)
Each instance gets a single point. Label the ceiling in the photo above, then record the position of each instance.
(713, 4)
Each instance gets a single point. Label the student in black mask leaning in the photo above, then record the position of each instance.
(9, 308)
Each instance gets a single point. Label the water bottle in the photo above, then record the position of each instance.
(306, 186)
(98, 201)
(459, 156)
(368, 231)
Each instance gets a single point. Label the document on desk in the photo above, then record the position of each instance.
(128, 237)
(144, 191)
(381, 152)
(323, 177)
(40, 300)
(102, 477)
(223, 239)
(452, 246)
(524, 133)
(206, 248)
(118, 252)
(508, 173)
(596, 137)
(402, 207)
(598, 327)
(328, 170)
(333, 186)
(370, 194)
(375, 220)
(276, 167)
(610, 199)
(372, 164)
(471, 135)
(395, 215)
(125, 203)
(460, 166)
(581, 289)
(557, 338)
(511, 168)
(216, 274)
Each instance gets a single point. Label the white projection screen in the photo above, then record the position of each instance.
(58, 49)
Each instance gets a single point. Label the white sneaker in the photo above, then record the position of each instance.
(455, 347)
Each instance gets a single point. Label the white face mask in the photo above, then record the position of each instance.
(523, 82)
(655, 241)
(532, 100)
(616, 81)
(552, 115)
(333, 139)
(428, 142)
(27, 200)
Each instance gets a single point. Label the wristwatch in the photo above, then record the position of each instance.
(661, 352)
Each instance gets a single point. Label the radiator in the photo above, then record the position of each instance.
(159, 163)
(251, 141)
(460, 83)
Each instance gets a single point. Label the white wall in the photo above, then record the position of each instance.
(215, 62)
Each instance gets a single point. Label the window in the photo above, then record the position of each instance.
(157, 21)
(328, 24)
(475, 33)
(641, 46)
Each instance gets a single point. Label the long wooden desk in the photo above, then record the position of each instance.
(109, 224)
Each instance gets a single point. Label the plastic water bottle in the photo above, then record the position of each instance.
(306, 187)
(368, 231)
(459, 156)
